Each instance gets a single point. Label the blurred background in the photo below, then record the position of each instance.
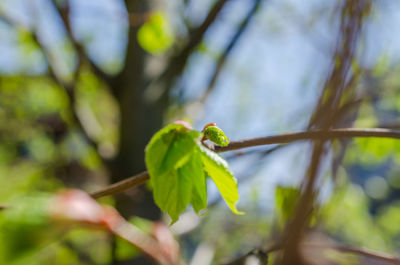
(85, 84)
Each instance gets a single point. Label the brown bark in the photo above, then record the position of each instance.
(139, 120)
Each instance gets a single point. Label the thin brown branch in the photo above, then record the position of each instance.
(222, 59)
(122, 185)
(295, 228)
(196, 36)
(358, 251)
(257, 252)
(373, 254)
(340, 79)
(70, 87)
(142, 177)
(64, 14)
(338, 89)
(311, 135)
(35, 38)
(178, 61)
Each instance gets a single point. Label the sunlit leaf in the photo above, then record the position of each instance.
(172, 193)
(168, 149)
(178, 164)
(194, 169)
(171, 174)
(217, 168)
(155, 36)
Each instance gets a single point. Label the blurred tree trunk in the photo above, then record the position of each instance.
(140, 119)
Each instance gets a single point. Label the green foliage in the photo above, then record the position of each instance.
(216, 135)
(155, 36)
(92, 242)
(25, 228)
(167, 155)
(375, 151)
(178, 165)
(197, 175)
(39, 140)
(285, 201)
(389, 218)
(347, 216)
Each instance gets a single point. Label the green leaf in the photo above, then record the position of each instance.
(194, 169)
(168, 149)
(216, 135)
(178, 165)
(217, 168)
(167, 160)
(157, 148)
(172, 193)
(155, 36)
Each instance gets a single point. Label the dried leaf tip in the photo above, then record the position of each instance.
(208, 125)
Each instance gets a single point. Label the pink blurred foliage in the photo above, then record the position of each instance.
(77, 207)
